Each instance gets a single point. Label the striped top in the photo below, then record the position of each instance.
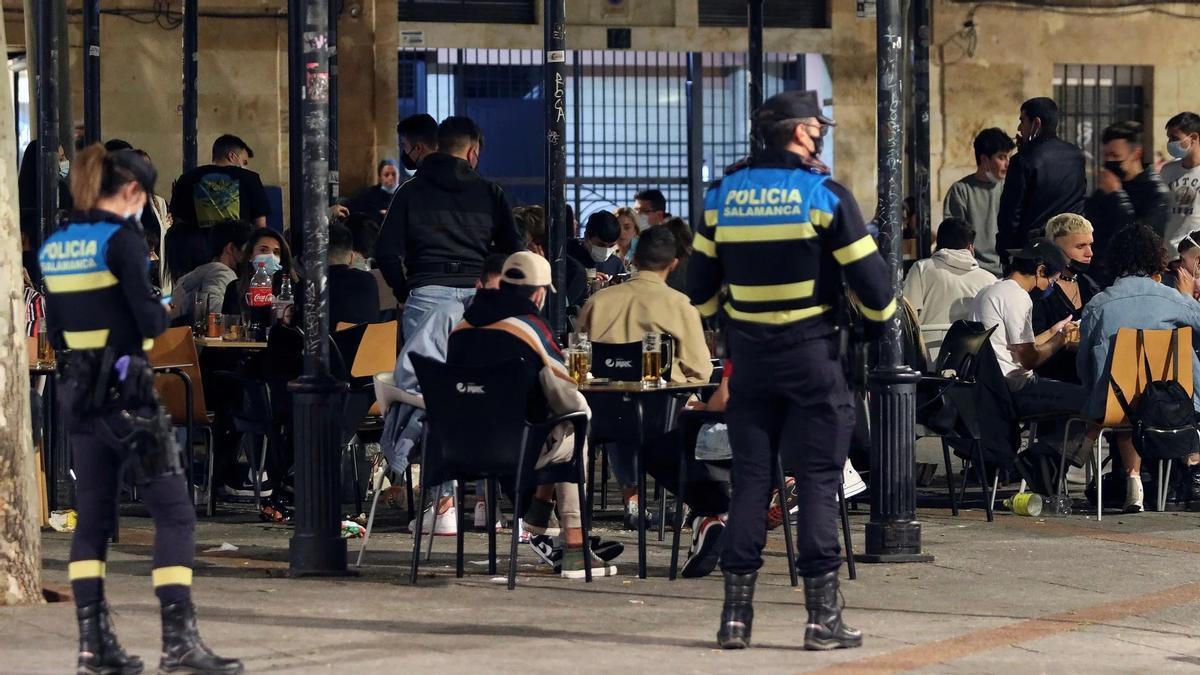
(96, 271)
(776, 237)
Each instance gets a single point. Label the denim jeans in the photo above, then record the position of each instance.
(422, 301)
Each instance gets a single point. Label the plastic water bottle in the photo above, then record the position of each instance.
(260, 298)
(284, 301)
(1058, 506)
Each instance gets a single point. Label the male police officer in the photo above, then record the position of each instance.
(780, 233)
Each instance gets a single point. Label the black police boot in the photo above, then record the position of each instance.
(1191, 487)
(99, 651)
(825, 629)
(738, 612)
(183, 652)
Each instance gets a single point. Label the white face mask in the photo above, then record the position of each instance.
(64, 168)
(642, 220)
(600, 253)
(991, 176)
(272, 261)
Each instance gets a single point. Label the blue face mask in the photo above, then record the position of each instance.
(1176, 150)
(389, 189)
(270, 261)
(1049, 290)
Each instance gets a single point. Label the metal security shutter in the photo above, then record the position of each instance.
(469, 11)
(776, 13)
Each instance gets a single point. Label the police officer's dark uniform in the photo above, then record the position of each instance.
(102, 314)
(778, 234)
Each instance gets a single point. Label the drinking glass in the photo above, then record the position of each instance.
(651, 359)
(200, 315)
(45, 355)
(233, 327)
(216, 325)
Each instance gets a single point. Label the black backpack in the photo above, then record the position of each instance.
(1164, 419)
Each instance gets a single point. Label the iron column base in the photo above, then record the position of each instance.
(894, 542)
(317, 547)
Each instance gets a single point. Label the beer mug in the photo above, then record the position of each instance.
(45, 355)
(651, 359)
(200, 315)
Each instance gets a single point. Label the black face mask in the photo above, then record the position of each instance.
(1115, 167)
(1078, 267)
(408, 162)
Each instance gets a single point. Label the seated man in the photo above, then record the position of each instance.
(1007, 305)
(225, 242)
(623, 313)
(403, 423)
(1137, 300)
(353, 293)
(505, 324)
(942, 287)
(598, 249)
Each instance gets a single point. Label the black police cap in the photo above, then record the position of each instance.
(790, 105)
(1043, 251)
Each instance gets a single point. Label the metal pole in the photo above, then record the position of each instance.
(191, 45)
(316, 545)
(334, 179)
(91, 71)
(47, 119)
(893, 535)
(555, 88)
(695, 136)
(296, 27)
(755, 56)
(920, 80)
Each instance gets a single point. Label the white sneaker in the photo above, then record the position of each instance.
(852, 482)
(481, 517)
(1133, 494)
(447, 523)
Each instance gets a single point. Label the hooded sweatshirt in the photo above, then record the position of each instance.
(441, 225)
(941, 288)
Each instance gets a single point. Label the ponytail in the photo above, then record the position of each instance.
(98, 173)
(87, 175)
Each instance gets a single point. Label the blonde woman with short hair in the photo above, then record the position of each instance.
(1072, 234)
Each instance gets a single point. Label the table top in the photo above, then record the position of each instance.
(48, 369)
(636, 388)
(220, 343)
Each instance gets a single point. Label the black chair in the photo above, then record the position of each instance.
(476, 429)
(952, 395)
(690, 423)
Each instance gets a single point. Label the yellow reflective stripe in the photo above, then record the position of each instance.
(856, 251)
(147, 344)
(710, 217)
(172, 576)
(877, 314)
(820, 218)
(702, 244)
(748, 233)
(776, 318)
(770, 292)
(74, 283)
(86, 339)
(710, 307)
(85, 569)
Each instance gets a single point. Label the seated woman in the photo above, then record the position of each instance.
(1072, 234)
(1136, 299)
(1189, 260)
(265, 246)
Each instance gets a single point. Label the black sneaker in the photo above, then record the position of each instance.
(543, 546)
(606, 551)
(631, 515)
(245, 488)
(706, 547)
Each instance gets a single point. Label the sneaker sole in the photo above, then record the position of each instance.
(704, 561)
(597, 571)
(829, 645)
(853, 490)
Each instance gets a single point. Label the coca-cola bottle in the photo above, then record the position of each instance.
(284, 302)
(260, 298)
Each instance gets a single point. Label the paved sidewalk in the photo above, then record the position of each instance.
(1017, 595)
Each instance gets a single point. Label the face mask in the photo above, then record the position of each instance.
(991, 177)
(1115, 167)
(643, 221)
(600, 253)
(408, 162)
(1078, 267)
(1049, 290)
(64, 168)
(818, 146)
(270, 260)
(390, 189)
(360, 263)
(135, 215)
(1176, 149)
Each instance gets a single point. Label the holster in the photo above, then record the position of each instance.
(147, 437)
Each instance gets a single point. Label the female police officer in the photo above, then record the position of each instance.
(102, 312)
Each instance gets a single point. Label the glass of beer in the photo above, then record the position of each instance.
(45, 355)
(651, 359)
(233, 327)
(579, 364)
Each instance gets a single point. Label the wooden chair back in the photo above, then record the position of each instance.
(1127, 369)
(177, 347)
(377, 351)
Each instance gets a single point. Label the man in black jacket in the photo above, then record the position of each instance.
(442, 224)
(353, 293)
(1127, 192)
(1046, 177)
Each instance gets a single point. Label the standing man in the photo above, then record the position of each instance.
(975, 199)
(1182, 177)
(781, 233)
(1046, 178)
(223, 190)
(651, 209)
(442, 224)
(418, 139)
(1127, 192)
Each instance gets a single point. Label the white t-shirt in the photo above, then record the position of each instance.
(1184, 185)
(1009, 308)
